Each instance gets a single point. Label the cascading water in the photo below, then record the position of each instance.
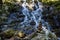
(28, 21)
(34, 15)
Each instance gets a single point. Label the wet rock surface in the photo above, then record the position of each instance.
(27, 21)
(53, 19)
(38, 35)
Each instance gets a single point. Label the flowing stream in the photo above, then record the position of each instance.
(27, 20)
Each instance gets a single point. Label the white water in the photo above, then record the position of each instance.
(30, 16)
(34, 15)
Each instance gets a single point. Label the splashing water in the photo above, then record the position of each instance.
(29, 20)
(32, 16)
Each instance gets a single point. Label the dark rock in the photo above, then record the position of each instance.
(32, 23)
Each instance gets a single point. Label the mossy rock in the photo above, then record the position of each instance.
(52, 36)
(9, 33)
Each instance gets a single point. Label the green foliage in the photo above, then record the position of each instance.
(56, 4)
(58, 8)
(6, 9)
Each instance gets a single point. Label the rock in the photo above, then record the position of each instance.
(8, 33)
(40, 27)
(21, 34)
(0, 38)
(11, 38)
(32, 23)
(43, 36)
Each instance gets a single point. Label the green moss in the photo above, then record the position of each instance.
(9, 33)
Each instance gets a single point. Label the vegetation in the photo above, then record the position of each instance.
(9, 6)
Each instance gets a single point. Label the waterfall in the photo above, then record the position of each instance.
(28, 19)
